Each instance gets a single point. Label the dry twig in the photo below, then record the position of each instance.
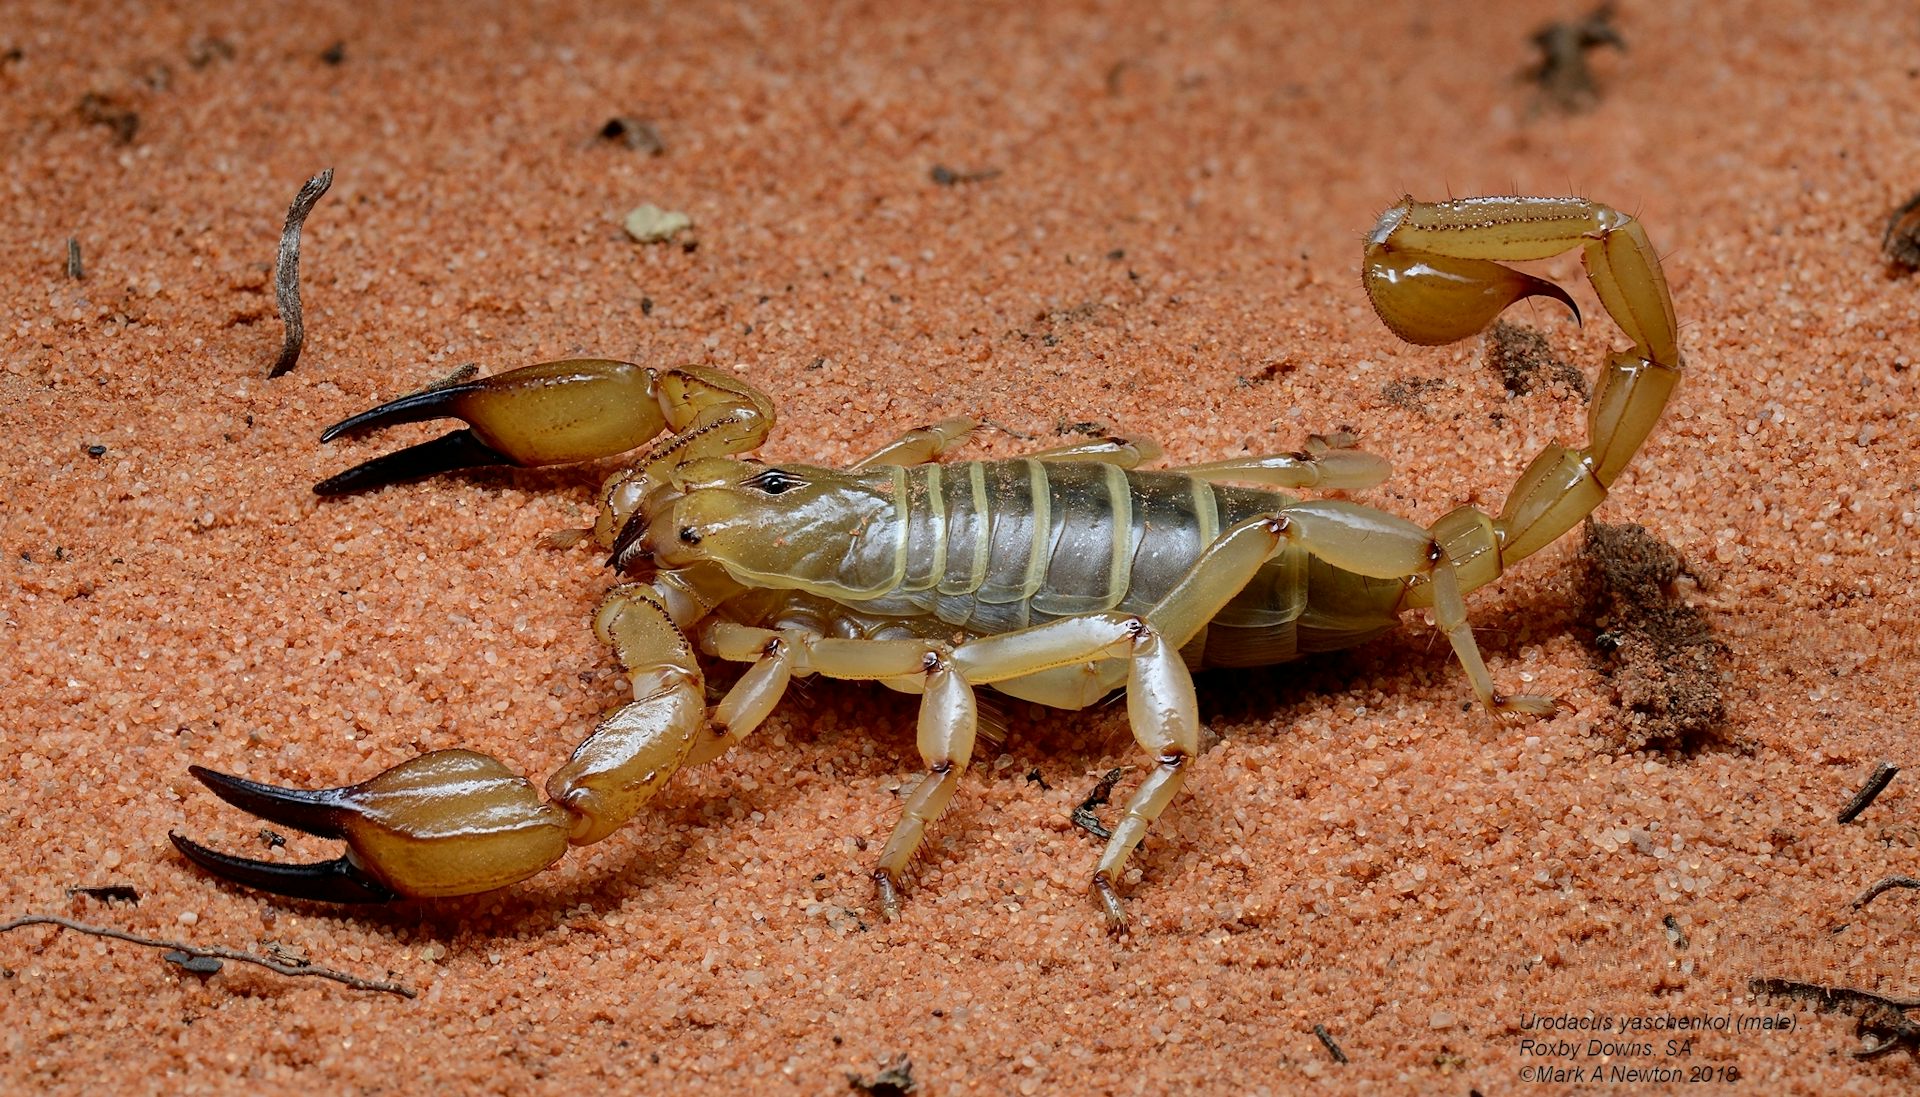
(1326, 1041)
(212, 952)
(286, 272)
(1884, 886)
(1083, 816)
(1883, 775)
(1876, 1015)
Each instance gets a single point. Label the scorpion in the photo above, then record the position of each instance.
(1057, 578)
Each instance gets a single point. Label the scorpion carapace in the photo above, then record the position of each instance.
(1058, 578)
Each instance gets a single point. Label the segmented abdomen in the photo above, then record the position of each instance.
(992, 546)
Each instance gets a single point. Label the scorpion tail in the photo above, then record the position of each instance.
(1423, 256)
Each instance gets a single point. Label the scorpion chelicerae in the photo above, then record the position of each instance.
(1057, 578)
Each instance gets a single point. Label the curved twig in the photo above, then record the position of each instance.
(217, 952)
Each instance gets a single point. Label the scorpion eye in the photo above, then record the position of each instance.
(774, 482)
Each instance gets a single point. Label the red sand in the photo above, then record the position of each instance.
(1170, 246)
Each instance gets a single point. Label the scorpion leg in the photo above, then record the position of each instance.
(455, 822)
(948, 723)
(925, 444)
(1160, 704)
(1160, 691)
(748, 702)
(1125, 450)
(557, 412)
(1320, 465)
(1379, 545)
(921, 444)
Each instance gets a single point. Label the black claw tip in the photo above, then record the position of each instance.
(335, 881)
(434, 402)
(457, 449)
(1555, 291)
(315, 811)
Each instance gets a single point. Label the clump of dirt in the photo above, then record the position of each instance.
(1901, 243)
(1522, 356)
(894, 1080)
(1654, 647)
(1563, 76)
(1410, 393)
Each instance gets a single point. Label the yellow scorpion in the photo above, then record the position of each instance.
(1058, 577)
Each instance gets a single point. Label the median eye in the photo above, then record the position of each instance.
(775, 482)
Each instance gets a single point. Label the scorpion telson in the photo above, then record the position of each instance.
(1058, 577)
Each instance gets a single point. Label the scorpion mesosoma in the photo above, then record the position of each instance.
(1057, 578)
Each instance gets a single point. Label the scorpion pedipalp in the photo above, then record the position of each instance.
(558, 412)
(450, 822)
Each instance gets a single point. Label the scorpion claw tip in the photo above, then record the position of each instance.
(335, 881)
(457, 449)
(318, 811)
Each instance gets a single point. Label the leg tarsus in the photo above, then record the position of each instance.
(887, 892)
(1109, 899)
(1161, 785)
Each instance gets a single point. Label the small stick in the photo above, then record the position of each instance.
(74, 270)
(1827, 999)
(1083, 816)
(1875, 1015)
(286, 271)
(1885, 885)
(1883, 774)
(1326, 1040)
(215, 951)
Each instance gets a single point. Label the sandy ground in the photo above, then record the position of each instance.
(1167, 243)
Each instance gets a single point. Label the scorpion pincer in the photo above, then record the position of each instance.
(1057, 577)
